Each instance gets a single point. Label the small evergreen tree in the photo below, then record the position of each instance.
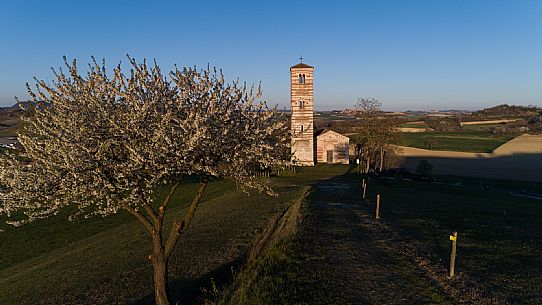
(424, 169)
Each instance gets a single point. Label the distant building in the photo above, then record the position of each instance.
(331, 147)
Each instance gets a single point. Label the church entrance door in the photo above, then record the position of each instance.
(330, 156)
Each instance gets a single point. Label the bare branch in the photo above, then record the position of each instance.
(148, 225)
(178, 227)
(168, 197)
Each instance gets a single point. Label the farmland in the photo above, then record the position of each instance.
(414, 124)
(469, 141)
(518, 159)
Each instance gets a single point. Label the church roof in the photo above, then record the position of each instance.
(301, 65)
(322, 132)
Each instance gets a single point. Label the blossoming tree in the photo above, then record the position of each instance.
(98, 144)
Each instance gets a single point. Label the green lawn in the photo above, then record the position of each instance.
(469, 141)
(493, 184)
(500, 235)
(341, 255)
(414, 125)
(328, 116)
(103, 260)
(333, 259)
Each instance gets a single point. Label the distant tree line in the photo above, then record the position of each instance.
(443, 123)
(505, 111)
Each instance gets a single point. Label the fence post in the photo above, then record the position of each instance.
(453, 238)
(364, 188)
(377, 206)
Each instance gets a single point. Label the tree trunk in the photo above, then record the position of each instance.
(159, 264)
(153, 222)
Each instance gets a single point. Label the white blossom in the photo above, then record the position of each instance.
(100, 143)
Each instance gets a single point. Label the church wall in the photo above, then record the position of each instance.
(332, 141)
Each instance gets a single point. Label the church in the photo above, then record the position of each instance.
(310, 147)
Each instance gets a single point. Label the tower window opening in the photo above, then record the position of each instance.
(301, 128)
(301, 104)
(301, 78)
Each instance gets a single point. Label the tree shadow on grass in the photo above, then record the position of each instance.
(518, 166)
(190, 290)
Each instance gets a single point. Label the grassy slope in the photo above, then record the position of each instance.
(340, 255)
(414, 125)
(470, 141)
(481, 127)
(500, 237)
(8, 131)
(506, 186)
(103, 260)
(9, 125)
(332, 259)
(54, 233)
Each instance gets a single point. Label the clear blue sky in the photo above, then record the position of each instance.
(434, 54)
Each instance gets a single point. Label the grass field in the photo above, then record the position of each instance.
(500, 235)
(8, 131)
(492, 184)
(103, 260)
(420, 125)
(333, 260)
(331, 116)
(339, 254)
(9, 126)
(468, 141)
(483, 128)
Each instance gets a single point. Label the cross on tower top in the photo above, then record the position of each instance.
(300, 58)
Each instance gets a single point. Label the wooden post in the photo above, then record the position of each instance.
(364, 185)
(377, 206)
(453, 238)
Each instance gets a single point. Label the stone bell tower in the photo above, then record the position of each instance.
(302, 103)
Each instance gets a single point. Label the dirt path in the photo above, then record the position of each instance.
(358, 266)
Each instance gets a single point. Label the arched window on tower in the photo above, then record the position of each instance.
(301, 78)
(301, 104)
(301, 128)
